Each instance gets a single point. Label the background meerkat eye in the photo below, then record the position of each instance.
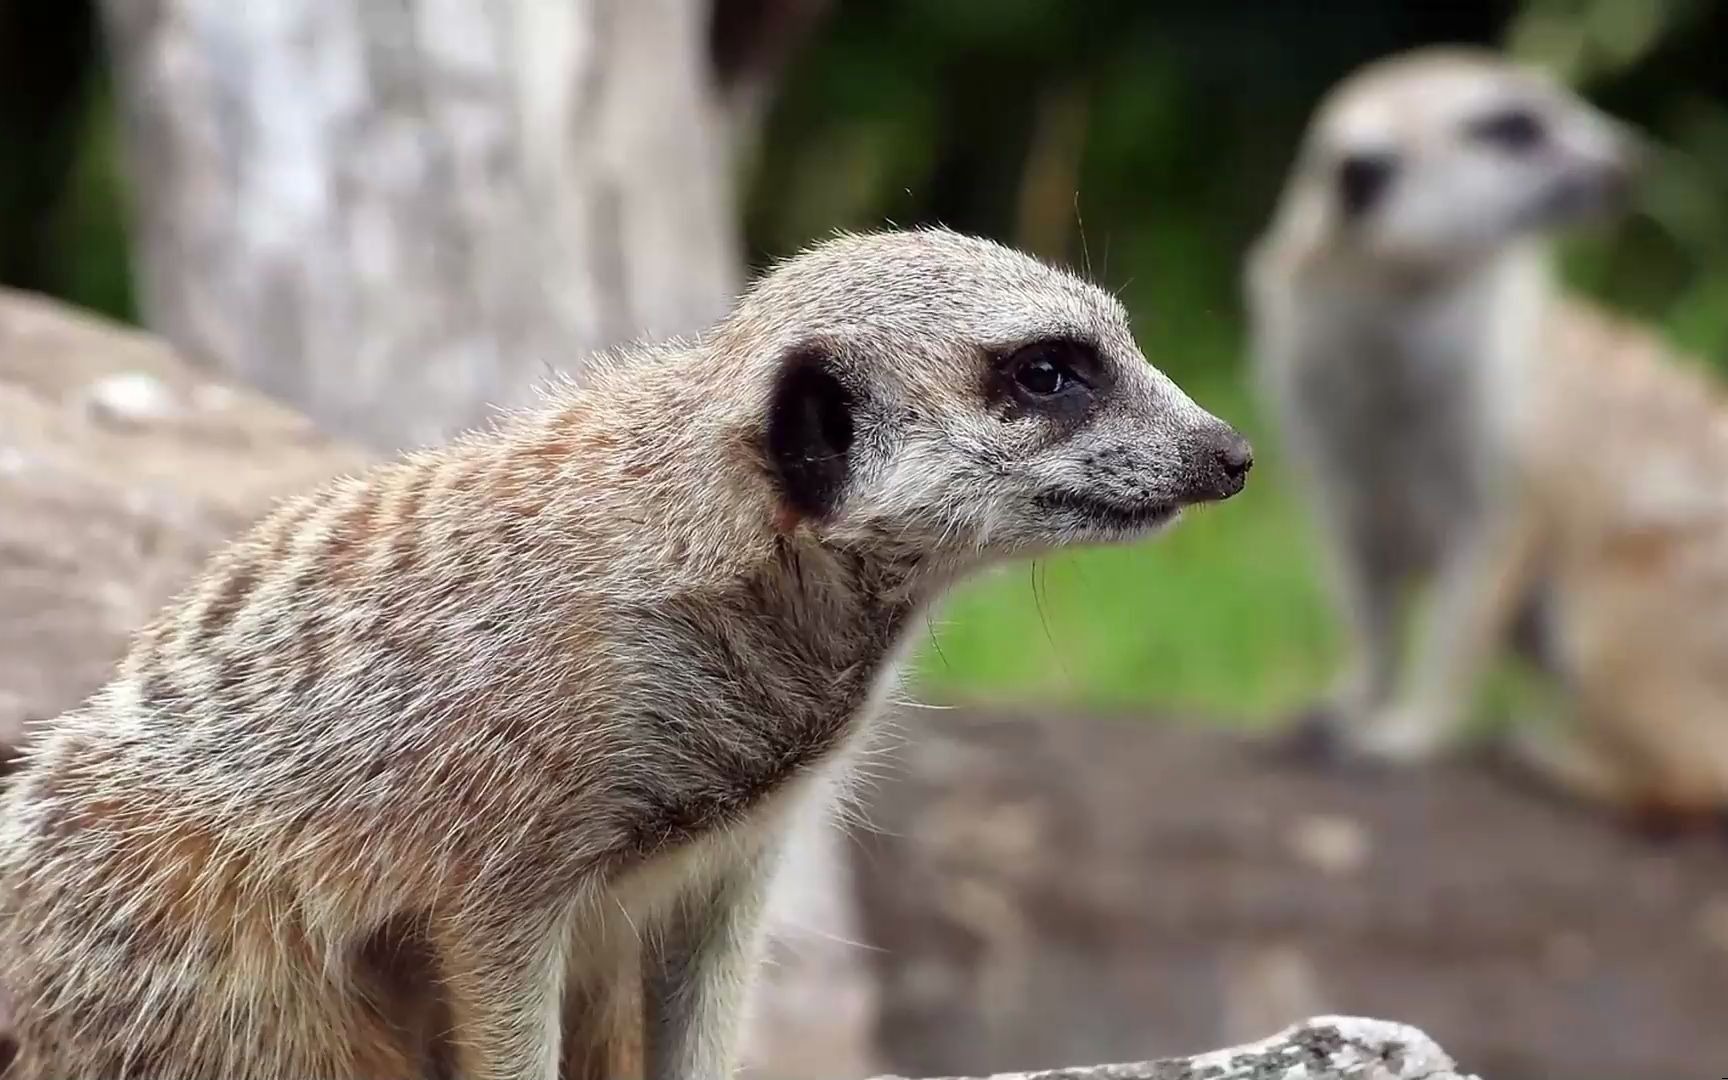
(1363, 179)
(1518, 130)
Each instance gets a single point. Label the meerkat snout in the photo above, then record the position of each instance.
(1222, 459)
(1594, 187)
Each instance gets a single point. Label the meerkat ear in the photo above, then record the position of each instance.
(809, 434)
(1362, 181)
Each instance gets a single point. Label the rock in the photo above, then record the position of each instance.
(1043, 890)
(121, 467)
(1322, 1048)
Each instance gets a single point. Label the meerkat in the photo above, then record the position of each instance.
(1467, 430)
(477, 764)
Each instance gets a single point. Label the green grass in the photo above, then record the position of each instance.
(1222, 615)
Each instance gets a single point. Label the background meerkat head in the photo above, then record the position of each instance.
(1443, 155)
(946, 392)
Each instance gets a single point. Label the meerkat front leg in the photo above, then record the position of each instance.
(696, 974)
(1370, 594)
(1367, 592)
(504, 985)
(1477, 591)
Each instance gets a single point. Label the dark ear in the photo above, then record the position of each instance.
(1362, 182)
(810, 434)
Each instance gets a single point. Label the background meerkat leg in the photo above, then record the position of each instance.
(696, 972)
(1563, 757)
(1368, 591)
(1476, 593)
(504, 989)
(1531, 632)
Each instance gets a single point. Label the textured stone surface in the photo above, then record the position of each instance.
(1321, 1048)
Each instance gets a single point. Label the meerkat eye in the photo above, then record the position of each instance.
(1362, 179)
(1053, 378)
(1517, 130)
(1039, 375)
(1047, 369)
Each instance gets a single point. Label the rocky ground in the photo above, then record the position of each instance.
(1046, 889)
(1038, 889)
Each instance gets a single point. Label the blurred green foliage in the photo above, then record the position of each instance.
(1144, 142)
(1141, 141)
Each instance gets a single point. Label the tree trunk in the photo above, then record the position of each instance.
(394, 214)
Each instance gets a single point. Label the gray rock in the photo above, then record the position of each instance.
(1321, 1048)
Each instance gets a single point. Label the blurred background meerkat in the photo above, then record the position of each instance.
(1477, 440)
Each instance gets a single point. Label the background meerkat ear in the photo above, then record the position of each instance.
(809, 434)
(1362, 181)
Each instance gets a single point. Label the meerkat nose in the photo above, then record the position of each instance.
(1221, 464)
(1236, 457)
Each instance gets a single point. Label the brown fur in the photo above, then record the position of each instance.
(1627, 480)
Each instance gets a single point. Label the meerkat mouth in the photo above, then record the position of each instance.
(1132, 517)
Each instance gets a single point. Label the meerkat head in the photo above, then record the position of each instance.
(1438, 157)
(968, 401)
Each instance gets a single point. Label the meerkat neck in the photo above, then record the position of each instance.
(1494, 297)
(647, 469)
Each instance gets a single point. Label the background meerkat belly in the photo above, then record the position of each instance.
(1400, 440)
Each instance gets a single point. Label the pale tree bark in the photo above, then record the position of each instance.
(394, 214)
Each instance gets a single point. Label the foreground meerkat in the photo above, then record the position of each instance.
(1463, 425)
(474, 764)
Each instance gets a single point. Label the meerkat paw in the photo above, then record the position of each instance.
(1400, 736)
(1334, 735)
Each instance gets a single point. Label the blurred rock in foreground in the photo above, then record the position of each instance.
(1049, 890)
(1320, 1048)
(121, 467)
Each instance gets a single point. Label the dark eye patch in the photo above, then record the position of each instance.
(1363, 179)
(1057, 377)
(1517, 130)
